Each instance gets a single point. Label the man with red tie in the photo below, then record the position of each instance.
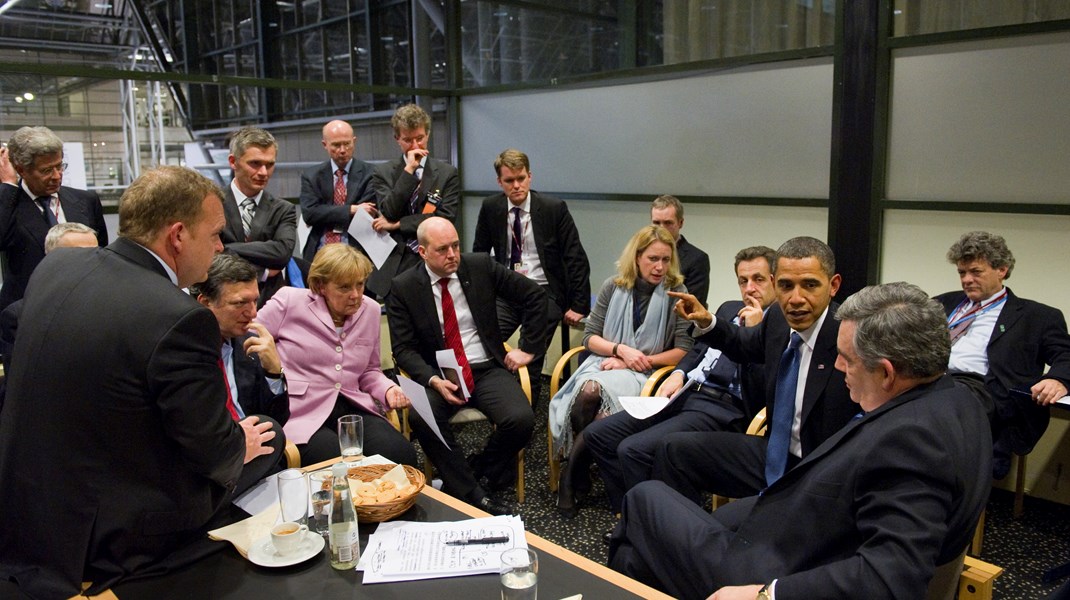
(256, 388)
(449, 304)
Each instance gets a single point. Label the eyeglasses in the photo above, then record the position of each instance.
(49, 171)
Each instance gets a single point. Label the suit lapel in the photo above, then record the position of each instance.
(425, 299)
(32, 218)
(230, 209)
(538, 228)
(262, 216)
(1008, 316)
(72, 208)
(317, 305)
(353, 179)
(821, 363)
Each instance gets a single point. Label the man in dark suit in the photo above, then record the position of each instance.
(1005, 342)
(28, 208)
(250, 364)
(333, 191)
(261, 228)
(440, 306)
(120, 441)
(719, 395)
(668, 212)
(869, 513)
(805, 396)
(408, 190)
(547, 251)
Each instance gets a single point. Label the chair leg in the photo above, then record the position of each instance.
(978, 536)
(1019, 487)
(520, 477)
(555, 465)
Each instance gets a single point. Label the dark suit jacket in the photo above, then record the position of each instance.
(254, 392)
(393, 188)
(1028, 335)
(272, 237)
(23, 228)
(568, 273)
(827, 404)
(416, 334)
(872, 510)
(115, 428)
(317, 200)
(695, 267)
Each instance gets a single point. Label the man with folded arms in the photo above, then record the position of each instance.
(870, 513)
(667, 211)
(116, 448)
(442, 305)
(1000, 345)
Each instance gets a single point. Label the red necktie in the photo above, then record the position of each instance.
(453, 334)
(230, 400)
(333, 237)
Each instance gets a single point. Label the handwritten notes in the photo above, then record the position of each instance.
(407, 550)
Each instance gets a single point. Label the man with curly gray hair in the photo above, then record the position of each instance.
(1000, 345)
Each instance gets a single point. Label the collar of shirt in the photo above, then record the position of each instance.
(344, 167)
(809, 337)
(435, 276)
(22, 184)
(239, 196)
(525, 206)
(970, 304)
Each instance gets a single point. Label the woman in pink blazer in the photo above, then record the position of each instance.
(328, 339)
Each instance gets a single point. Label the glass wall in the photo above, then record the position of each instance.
(913, 17)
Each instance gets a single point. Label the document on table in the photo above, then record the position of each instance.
(642, 407)
(417, 395)
(378, 245)
(408, 550)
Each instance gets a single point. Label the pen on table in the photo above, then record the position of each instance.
(487, 540)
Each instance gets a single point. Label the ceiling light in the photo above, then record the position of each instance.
(28, 96)
(18, 99)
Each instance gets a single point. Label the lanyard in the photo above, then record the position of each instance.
(976, 311)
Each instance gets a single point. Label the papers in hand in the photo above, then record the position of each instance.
(377, 244)
(642, 407)
(451, 371)
(417, 396)
(407, 550)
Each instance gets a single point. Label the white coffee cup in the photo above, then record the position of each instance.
(287, 537)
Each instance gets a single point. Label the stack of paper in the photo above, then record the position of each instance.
(407, 550)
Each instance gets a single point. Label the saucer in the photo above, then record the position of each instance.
(263, 552)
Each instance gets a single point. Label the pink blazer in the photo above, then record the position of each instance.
(319, 362)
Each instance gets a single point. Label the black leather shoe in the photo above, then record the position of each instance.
(494, 508)
(607, 537)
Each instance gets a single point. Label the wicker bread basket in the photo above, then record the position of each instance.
(385, 511)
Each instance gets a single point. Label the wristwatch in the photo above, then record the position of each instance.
(763, 594)
(275, 375)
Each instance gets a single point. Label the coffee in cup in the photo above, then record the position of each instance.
(287, 537)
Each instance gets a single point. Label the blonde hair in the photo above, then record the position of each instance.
(627, 267)
(340, 263)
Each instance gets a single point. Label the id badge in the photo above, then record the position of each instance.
(521, 268)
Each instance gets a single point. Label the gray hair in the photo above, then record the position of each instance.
(981, 245)
(250, 136)
(226, 268)
(808, 247)
(899, 322)
(56, 233)
(28, 143)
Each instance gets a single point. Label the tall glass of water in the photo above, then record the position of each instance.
(351, 437)
(520, 574)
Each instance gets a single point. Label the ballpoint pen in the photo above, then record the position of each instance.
(486, 540)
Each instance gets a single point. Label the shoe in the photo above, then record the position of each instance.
(492, 507)
(607, 537)
(504, 479)
(575, 479)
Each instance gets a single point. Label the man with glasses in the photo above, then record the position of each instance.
(32, 200)
(333, 191)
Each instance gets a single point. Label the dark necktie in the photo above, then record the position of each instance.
(452, 332)
(518, 240)
(248, 211)
(787, 381)
(415, 208)
(46, 205)
(332, 237)
(230, 400)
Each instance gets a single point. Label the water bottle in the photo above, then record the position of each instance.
(344, 536)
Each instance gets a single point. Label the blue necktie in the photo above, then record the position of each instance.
(787, 380)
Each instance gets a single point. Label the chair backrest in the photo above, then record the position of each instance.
(758, 424)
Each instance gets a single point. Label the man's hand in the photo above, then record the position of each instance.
(572, 318)
(395, 398)
(413, 158)
(449, 391)
(751, 314)
(1047, 391)
(263, 345)
(368, 207)
(689, 308)
(381, 224)
(672, 384)
(8, 174)
(634, 359)
(257, 435)
(736, 592)
(517, 358)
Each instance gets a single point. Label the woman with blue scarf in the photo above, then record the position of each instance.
(631, 331)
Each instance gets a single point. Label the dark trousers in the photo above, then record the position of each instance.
(497, 395)
(509, 319)
(724, 463)
(624, 446)
(380, 437)
(262, 466)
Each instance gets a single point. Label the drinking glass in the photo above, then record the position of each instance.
(520, 574)
(351, 437)
(293, 496)
(319, 489)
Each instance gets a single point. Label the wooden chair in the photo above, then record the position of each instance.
(293, 455)
(565, 362)
(472, 415)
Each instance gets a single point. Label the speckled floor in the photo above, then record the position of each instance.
(1024, 547)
